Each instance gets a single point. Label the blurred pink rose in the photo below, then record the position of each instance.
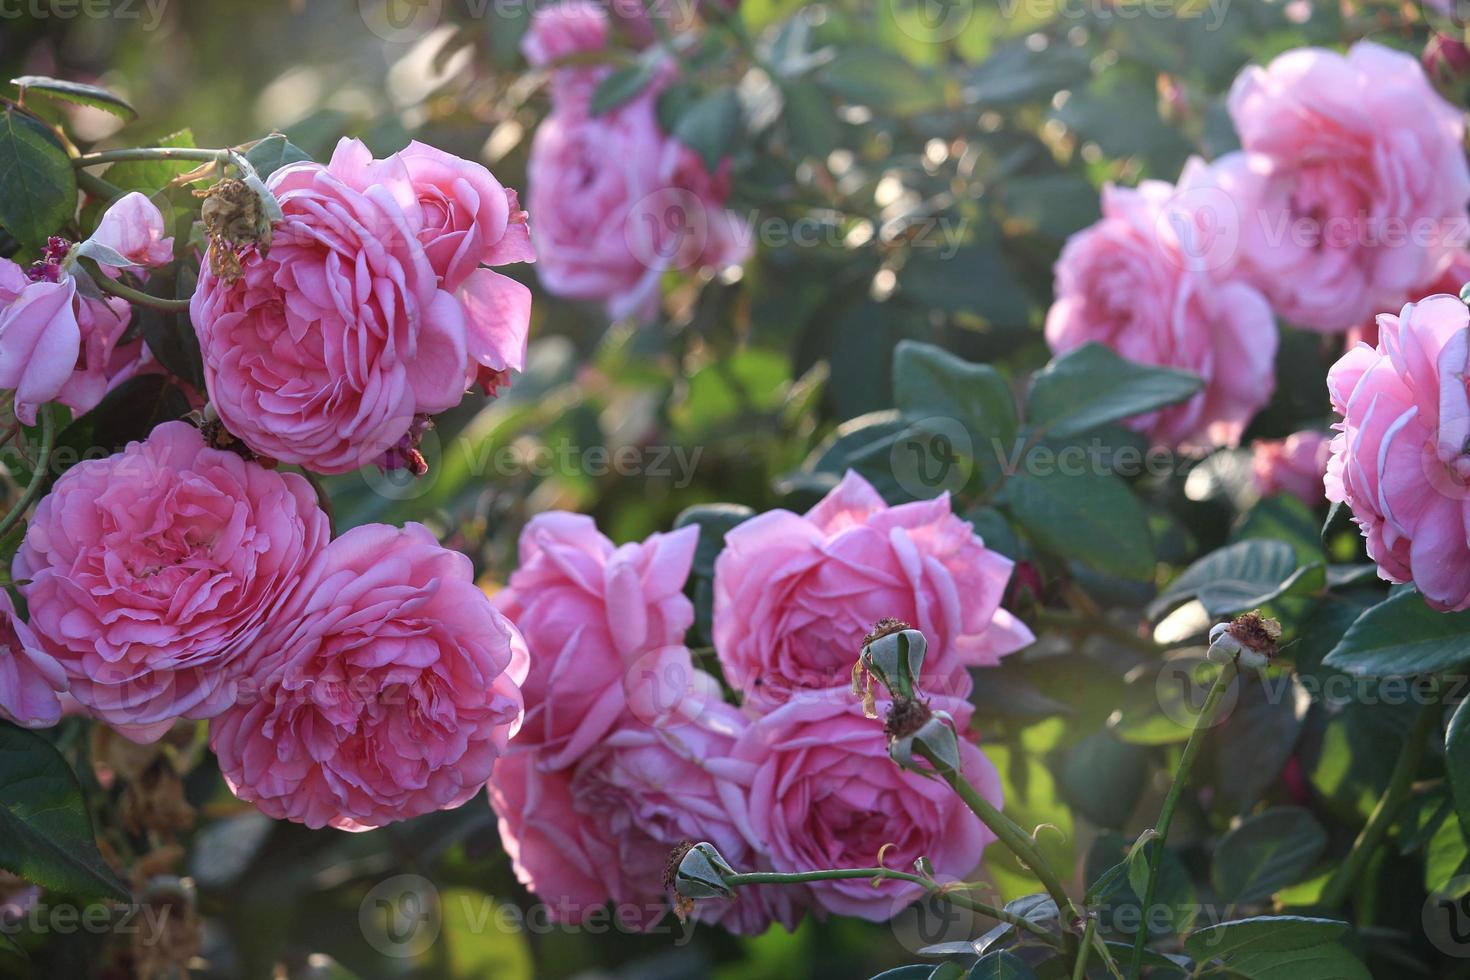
(824, 794)
(795, 595)
(1293, 465)
(1452, 274)
(602, 830)
(603, 624)
(559, 33)
(31, 681)
(1155, 281)
(618, 202)
(148, 574)
(324, 350)
(385, 688)
(1399, 458)
(1367, 186)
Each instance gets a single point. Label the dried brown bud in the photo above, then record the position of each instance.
(883, 628)
(905, 717)
(234, 217)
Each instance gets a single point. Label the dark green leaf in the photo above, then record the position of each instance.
(1401, 636)
(1232, 579)
(1102, 777)
(273, 153)
(1457, 762)
(78, 93)
(1017, 73)
(1001, 965)
(1092, 385)
(1088, 516)
(38, 189)
(928, 380)
(127, 413)
(1278, 948)
(1267, 852)
(709, 126)
(916, 971)
(811, 123)
(148, 176)
(882, 79)
(45, 832)
(623, 85)
(714, 522)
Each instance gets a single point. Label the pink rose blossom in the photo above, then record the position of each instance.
(1367, 183)
(385, 688)
(133, 228)
(618, 202)
(1293, 465)
(603, 625)
(561, 32)
(39, 338)
(1155, 281)
(31, 681)
(795, 595)
(1399, 458)
(325, 349)
(602, 830)
(148, 574)
(822, 793)
(1452, 274)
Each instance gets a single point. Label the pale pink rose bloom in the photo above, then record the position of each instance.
(1156, 279)
(602, 831)
(39, 338)
(823, 793)
(385, 688)
(1367, 186)
(1293, 465)
(562, 32)
(133, 228)
(603, 624)
(1399, 458)
(796, 594)
(31, 681)
(150, 573)
(323, 352)
(619, 203)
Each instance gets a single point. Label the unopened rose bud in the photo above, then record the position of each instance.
(695, 872)
(1446, 58)
(893, 654)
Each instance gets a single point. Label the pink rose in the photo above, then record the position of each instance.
(385, 688)
(603, 625)
(602, 830)
(39, 338)
(325, 349)
(619, 203)
(148, 574)
(1293, 465)
(1450, 277)
(31, 681)
(824, 794)
(562, 32)
(1399, 459)
(1367, 182)
(1154, 280)
(795, 595)
(132, 229)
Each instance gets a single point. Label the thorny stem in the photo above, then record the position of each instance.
(135, 296)
(152, 153)
(839, 874)
(1205, 720)
(38, 473)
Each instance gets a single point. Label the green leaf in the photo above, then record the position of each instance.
(1401, 636)
(1278, 948)
(714, 522)
(38, 189)
(1090, 516)
(882, 79)
(1102, 778)
(45, 832)
(1267, 852)
(623, 85)
(170, 336)
(987, 288)
(149, 176)
(811, 123)
(1457, 762)
(1001, 965)
(1092, 385)
(77, 93)
(709, 127)
(273, 153)
(1233, 579)
(928, 380)
(128, 412)
(1016, 73)
(915, 971)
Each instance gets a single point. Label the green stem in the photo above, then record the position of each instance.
(1006, 830)
(1205, 720)
(1079, 970)
(1387, 810)
(97, 187)
(38, 473)
(135, 296)
(840, 874)
(151, 153)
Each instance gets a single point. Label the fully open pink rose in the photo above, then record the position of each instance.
(324, 350)
(1293, 465)
(603, 625)
(1367, 187)
(1399, 458)
(823, 793)
(385, 688)
(150, 573)
(795, 595)
(31, 681)
(618, 202)
(602, 830)
(1157, 280)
